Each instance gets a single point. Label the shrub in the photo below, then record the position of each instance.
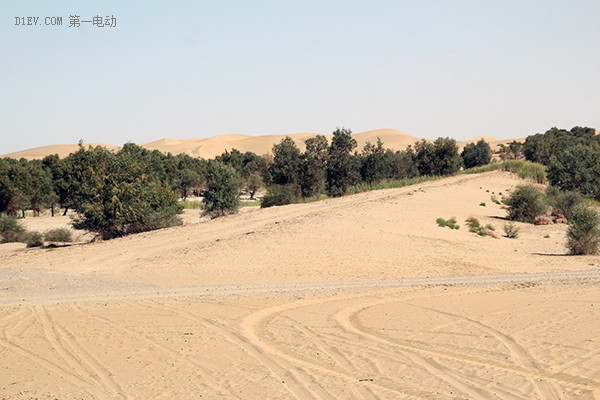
(583, 235)
(482, 204)
(525, 203)
(11, 230)
(562, 202)
(34, 239)
(450, 223)
(511, 231)
(278, 195)
(494, 199)
(476, 227)
(63, 235)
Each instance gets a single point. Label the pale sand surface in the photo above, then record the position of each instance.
(358, 297)
(211, 147)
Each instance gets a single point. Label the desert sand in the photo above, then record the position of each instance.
(357, 297)
(211, 147)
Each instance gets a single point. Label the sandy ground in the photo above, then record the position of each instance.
(358, 297)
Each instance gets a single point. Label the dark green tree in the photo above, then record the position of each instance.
(576, 168)
(476, 154)
(314, 166)
(222, 192)
(41, 192)
(438, 158)
(287, 163)
(375, 165)
(117, 197)
(342, 165)
(402, 163)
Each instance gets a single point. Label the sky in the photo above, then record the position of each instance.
(194, 69)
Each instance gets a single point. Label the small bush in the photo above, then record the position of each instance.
(63, 235)
(476, 227)
(511, 230)
(542, 220)
(482, 204)
(34, 239)
(11, 230)
(494, 199)
(583, 235)
(525, 203)
(450, 223)
(278, 195)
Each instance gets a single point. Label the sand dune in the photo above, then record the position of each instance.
(214, 146)
(357, 297)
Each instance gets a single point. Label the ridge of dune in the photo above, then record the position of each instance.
(213, 146)
(62, 150)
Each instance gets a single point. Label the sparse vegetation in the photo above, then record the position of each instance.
(450, 223)
(476, 227)
(583, 235)
(526, 170)
(511, 231)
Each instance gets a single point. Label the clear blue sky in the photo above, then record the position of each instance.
(188, 69)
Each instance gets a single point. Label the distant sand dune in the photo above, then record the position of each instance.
(214, 146)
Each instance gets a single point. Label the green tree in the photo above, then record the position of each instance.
(287, 163)
(438, 158)
(476, 154)
(402, 163)
(41, 192)
(576, 168)
(117, 197)
(314, 166)
(342, 165)
(222, 192)
(374, 163)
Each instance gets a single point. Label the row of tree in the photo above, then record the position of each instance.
(134, 189)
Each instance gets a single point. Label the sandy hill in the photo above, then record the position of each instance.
(362, 296)
(214, 146)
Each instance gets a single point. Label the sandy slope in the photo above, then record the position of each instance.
(214, 146)
(309, 301)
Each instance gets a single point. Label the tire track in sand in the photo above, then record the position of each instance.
(80, 360)
(255, 325)
(546, 390)
(290, 377)
(139, 335)
(349, 318)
